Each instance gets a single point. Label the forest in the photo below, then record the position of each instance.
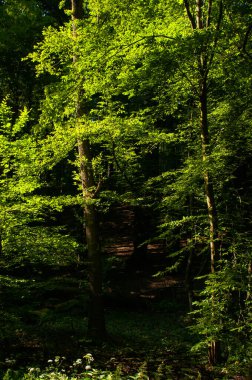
(125, 189)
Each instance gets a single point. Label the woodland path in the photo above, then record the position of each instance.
(138, 284)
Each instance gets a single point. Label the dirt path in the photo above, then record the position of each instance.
(136, 283)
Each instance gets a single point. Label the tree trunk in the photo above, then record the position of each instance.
(198, 22)
(188, 280)
(209, 190)
(214, 352)
(96, 321)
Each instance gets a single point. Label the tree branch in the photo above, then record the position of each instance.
(125, 46)
(199, 17)
(189, 14)
(209, 13)
(98, 188)
(246, 38)
(218, 25)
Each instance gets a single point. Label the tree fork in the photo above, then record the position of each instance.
(96, 321)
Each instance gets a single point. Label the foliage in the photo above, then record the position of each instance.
(135, 69)
(22, 209)
(223, 310)
(58, 370)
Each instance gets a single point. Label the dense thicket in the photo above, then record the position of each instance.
(138, 103)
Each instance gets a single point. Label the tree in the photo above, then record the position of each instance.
(81, 108)
(89, 189)
(58, 54)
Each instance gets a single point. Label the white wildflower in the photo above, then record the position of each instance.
(57, 359)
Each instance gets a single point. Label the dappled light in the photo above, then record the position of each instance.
(125, 190)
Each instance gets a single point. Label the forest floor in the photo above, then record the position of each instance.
(44, 314)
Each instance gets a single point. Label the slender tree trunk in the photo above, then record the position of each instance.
(209, 190)
(214, 352)
(188, 280)
(197, 23)
(96, 322)
(200, 20)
